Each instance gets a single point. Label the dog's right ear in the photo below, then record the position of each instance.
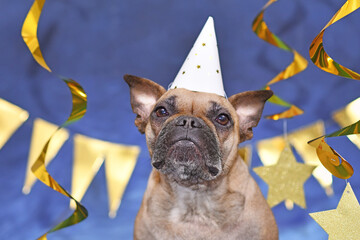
(144, 93)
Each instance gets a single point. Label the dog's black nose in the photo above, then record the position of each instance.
(189, 122)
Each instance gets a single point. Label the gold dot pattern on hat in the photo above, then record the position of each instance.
(202, 62)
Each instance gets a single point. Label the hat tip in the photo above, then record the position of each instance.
(210, 19)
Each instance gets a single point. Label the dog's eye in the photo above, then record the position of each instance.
(161, 112)
(222, 119)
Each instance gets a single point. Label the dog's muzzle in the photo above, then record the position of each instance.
(188, 150)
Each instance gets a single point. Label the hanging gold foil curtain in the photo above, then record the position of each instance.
(298, 64)
(332, 161)
(79, 103)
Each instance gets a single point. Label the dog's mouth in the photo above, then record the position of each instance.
(184, 151)
(188, 157)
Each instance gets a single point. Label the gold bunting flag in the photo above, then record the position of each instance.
(317, 53)
(245, 153)
(119, 165)
(89, 155)
(11, 118)
(88, 158)
(42, 131)
(269, 150)
(79, 102)
(298, 64)
(348, 115)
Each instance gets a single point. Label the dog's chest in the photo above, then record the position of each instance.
(193, 209)
(205, 209)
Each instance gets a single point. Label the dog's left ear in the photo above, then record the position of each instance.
(144, 93)
(249, 106)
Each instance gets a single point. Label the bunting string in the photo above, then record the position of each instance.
(79, 105)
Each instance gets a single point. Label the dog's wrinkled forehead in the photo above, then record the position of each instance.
(195, 103)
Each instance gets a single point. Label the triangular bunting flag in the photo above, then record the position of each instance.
(11, 118)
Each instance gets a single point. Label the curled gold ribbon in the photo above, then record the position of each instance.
(317, 53)
(298, 64)
(79, 103)
(329, 157)
(331, 160)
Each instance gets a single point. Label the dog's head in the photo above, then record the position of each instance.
(193, 136)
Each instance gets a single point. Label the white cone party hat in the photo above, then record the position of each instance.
(201, 70)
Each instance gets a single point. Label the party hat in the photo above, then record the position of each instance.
(201, 70)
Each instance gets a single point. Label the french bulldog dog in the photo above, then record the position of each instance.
(199, 187)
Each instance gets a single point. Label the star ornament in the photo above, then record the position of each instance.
(285, 179)
(343, 222)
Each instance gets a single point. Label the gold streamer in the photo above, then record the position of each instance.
(333, 162)
(89, 155)
(79, 102)
(317, 53)
(298, 64)
(29, 32)
(347, 116)
(11, 118)
(42, 131)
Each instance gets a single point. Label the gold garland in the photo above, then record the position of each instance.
(79, 103)
(332, 161)
(298, 64)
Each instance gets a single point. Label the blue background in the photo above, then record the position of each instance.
(96, 42)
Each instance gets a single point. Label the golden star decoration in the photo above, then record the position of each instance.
(285, 179)
(343, 222)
